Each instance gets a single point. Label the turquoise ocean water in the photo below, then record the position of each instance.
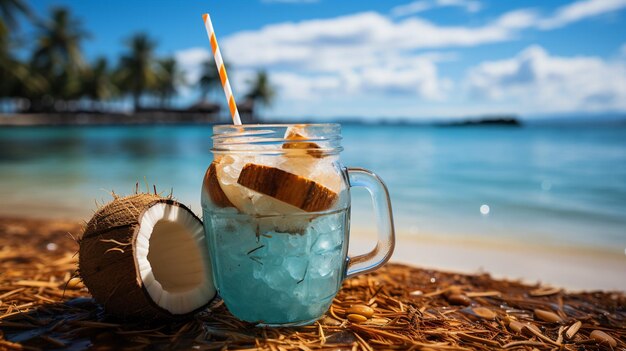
(559, 186)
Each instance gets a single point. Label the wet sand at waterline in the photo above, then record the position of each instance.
(573, 268)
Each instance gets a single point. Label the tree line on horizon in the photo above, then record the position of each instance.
(56, 78)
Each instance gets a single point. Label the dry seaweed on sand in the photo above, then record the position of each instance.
(43, 306)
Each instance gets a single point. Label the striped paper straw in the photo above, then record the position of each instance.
(219, 62)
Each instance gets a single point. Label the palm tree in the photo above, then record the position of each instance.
(98, 85)
(57, 55)
(17, 79)
(7, 65)
(137, 71)
(170, 77)
(209, 79)
(10, 9)
(261, 91)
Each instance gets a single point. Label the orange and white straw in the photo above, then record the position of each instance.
(219, 62)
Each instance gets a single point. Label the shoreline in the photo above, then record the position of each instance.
(147, 117)
(144, 118)
(573, 268)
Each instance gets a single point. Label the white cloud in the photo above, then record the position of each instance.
(190, 61)
(361, 53)
(517, 19)
(580, 10)
(362, 37)
(535, 81)
(424, 5)
(299, 87)
(416, 78)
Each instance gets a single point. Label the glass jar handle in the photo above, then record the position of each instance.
(359, 177)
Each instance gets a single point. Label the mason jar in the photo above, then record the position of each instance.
(276, 211)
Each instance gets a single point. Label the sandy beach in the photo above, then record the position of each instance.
(573, 269)
(411, 307)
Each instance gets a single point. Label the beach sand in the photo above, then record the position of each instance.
(571, 268)
(410, 306)
(574, 268)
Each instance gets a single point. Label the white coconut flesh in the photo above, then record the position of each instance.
(173, 259)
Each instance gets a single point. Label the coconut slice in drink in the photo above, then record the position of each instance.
(297, 145)
(227, 172)
(146, 256)
(287, 187)
(214, 189)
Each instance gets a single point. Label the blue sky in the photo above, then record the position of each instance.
(390, 59)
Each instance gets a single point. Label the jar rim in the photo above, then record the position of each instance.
(218, 127)
(321, 137)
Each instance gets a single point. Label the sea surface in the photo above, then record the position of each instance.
(553, 186)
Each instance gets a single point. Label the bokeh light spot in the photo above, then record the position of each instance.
(484, 209)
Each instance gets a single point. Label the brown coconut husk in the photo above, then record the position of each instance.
(107, 263)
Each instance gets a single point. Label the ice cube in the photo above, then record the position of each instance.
(299, 244)
(286, 244)
(322, 287)
(322, 265)
(257, 271)
(277, 277)
(297, 267)
(325, 243)
(328, 233)
(228, 169)
(325, 224)
(234, 234)
(267, 205)
(301, 291)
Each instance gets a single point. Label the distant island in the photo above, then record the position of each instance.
(507, 121)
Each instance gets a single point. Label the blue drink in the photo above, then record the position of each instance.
(270, 277)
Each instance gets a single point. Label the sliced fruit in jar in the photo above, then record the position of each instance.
(298, 143)
(287, 187)
(214, 188)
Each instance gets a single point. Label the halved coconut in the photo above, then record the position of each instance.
(146, 256)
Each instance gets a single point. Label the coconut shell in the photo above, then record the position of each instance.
(215, 189)
(287, 187)
(107, 263)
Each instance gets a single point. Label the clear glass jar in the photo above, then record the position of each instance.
(276, 206)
